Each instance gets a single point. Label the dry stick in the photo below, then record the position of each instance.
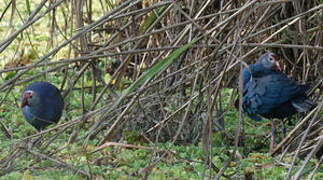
(299, 15)
(118, 69)
(11, 38)
(184, 105)
(212, 105)
(298, 174)
(315, 169)
(232, 16)
(142, 50)
(136, 12)
(139, 51)
(196, 94)
(69, 51)
(77, 119)
(109, 144)
(237, 132)
(5, 10)
(285, 21)
(181, 108)
(316, 132)
(136, 38)
(105, 115)
(260, 19)
(239, 124)
(108, 84)
(82, 41)
(120, 117)
(302, 14)
(132, 101)
(187, 109)
(229, 68)
(5, 43)
(34, 76)
(174, 113)
(295, 138)
(188, 17)
(282, 45)
(248, 44)
(88, 63)
(5, 130)
(74, 122)
(276, 1)
(284, 152)
(58, 162)
(291, 134)
(318, 108)
(7, 94)
(267, 39)
(75, 36)
(207, 129)
(189, 102)
(118, 121)
(69, 123)
(277, 162)
(306, 147)
(7, 164)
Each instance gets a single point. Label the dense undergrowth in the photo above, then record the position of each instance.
(125, 54)
(180, 161)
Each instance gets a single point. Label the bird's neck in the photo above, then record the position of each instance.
(257, 70)
(253, 70)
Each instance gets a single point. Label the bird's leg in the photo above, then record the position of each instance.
(283, 133)
(283, 129)
(273, 132)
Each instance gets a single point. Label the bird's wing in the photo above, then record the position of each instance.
(264, 93)
(279, 88)
(251, 101)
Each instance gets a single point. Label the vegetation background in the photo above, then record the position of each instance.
(149, 86)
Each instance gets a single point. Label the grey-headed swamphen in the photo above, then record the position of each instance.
(41, 104)
(269, 93)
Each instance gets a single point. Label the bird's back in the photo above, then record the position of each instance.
(271, 96)
(49, 109)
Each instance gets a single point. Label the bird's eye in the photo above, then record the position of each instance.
(271, 59)
(30, 96)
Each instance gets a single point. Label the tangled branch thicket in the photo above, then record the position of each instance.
(182, 103)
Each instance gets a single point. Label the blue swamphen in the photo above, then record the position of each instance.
(41, 104)
(269, 93)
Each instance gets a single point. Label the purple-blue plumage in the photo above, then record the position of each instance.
(41, 104)
(270, 93)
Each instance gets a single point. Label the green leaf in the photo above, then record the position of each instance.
(9, 75)
(28, 7)
(150, 20)
(158, 67)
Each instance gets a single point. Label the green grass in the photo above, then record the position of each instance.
(126, 163)
(185, 161)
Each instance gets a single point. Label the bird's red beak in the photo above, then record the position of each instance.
(24, 101)
(276, 62)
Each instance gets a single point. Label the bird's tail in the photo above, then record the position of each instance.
(302, 104)
(305, 87)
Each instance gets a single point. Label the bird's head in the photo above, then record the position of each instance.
(269, 61)
(29, 98)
